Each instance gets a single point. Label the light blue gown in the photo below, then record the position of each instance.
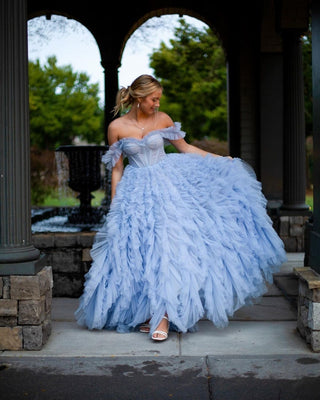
(186, 234)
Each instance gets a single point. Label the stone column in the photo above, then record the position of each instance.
(243, 100)
(294, 174)
(233, 90)
(25, 281)
(314, 250)
(249, 101)
(111, 89)
(17, 254)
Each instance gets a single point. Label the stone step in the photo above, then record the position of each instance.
(267, 308)
(271, 307)
(286, 280)
(287, 284)
(278, 304)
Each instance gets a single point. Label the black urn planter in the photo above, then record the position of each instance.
(84, 178)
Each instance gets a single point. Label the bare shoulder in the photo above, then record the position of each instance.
(116, 124)
(164, 119)
(114, 130)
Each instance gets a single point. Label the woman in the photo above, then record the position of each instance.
(187, 235)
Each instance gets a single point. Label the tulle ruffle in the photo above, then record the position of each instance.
(172, 133)
(189, 236)
(113, 154)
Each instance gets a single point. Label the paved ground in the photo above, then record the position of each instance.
(259, 355)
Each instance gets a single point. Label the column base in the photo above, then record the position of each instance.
(295, 207)
(23, 268)
(18, 254)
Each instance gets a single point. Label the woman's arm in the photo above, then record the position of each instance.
(116, 175)
(183, 147)
(117, 170)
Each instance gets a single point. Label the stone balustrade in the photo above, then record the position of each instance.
(69, 253)
(69, 256)
(291, 231)
(25, 310)
(308, 322)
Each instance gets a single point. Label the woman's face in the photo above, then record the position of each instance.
(150, 104)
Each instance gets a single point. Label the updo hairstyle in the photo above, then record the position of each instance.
(140, 87)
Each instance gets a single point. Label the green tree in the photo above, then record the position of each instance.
(192, 71)
(63, 105)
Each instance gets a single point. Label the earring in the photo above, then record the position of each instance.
(138, 106)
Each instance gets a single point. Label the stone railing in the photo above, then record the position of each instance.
(69, 253)
(291, 229)
(69, 256)
(25, 310)
(309, 306)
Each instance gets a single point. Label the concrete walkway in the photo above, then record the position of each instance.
(266, 328)
(260, 346)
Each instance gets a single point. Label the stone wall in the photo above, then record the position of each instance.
(69, 253)
(69, 256)
(291, 229)
(25, 310)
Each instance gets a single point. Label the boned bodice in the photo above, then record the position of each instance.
(144, 152)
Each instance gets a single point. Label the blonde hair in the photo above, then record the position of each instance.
(140, 87)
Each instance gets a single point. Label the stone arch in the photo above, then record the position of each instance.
(153, 41)
(170, 11)
(73, 17)
(48, 16)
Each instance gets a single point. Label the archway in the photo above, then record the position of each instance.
(65, 105)
(146, 38)
(70, 41)
(203, 57)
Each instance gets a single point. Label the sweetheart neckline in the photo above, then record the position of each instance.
(146, 135)
(176, 125)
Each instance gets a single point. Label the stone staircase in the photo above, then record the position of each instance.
(281, 300)
(286, 280)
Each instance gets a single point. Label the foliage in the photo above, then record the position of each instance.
(63, 105)
(43, 175)
(309, 200)
(193, 74)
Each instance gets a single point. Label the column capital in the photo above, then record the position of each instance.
(292, 15)
(110, 60)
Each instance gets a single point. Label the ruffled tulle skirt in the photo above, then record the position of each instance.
(189, 236)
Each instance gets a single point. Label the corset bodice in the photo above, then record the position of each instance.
(146, 151)
(143, 152)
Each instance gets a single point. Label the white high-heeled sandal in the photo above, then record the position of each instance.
(159, 332)
(144, 328)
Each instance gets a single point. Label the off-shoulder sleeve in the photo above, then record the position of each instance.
(173, 132)
(111, 157)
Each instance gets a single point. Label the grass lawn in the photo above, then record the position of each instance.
(309, 200)
(71, 200)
